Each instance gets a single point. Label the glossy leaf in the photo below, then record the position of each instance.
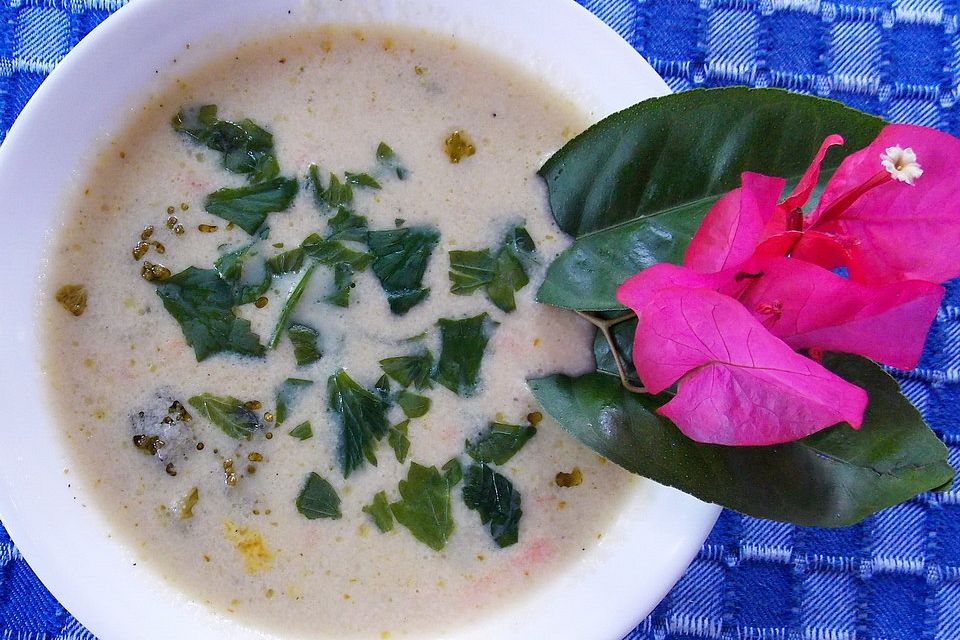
(304, 340)
(410, 370)
(400, 258)
(363, 421)
(494, 497)
(318, 499)
(228, 414)
(462, 345)
(248, 207)
(424, 506)
(833, 478)
(500, 442)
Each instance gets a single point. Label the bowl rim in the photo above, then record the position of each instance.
(117, 61)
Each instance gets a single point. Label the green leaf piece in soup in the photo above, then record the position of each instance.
(347, 225)
(286, 262)
(412, 404)
(318, 499)
(228, 414)
(379, 510)
(248, 207)
(246, 147)
(424, 506)
(389, 161)
(501, 274)
(202, 303)
(302, 431)
(361, 180)
(410, 370)
(331, 252)
(342, 285)
(400, 258)
(452, 471)
(463, 343)
(287, 395)
(500, 442)
(333, 196)
(494, 497)
(833, 478)
(304, 340)
(399, 441)
(622, 333)
(470, 270)
(233, 269)
(289, 305)
(628, 191)
(363, 421)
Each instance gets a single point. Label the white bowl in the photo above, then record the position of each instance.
(87, 97)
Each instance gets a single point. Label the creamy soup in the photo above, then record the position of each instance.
(233, 498)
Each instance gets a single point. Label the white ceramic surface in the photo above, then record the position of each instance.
(136, 51)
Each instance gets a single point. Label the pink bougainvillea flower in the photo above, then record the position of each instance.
(738, 384)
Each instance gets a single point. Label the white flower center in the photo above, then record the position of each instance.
(901, 164)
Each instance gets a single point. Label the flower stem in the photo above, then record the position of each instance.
(604, 326)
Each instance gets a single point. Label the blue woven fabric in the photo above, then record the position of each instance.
(895, 576)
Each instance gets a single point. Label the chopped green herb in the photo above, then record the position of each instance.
(318, 499)
(335, 195)
(362, 180)
(500, 442)
(246, 147)
(362, 418)
(286, 262)
(228, 414)
(248, 207)
(424, 506)
(501, 274)
(471, 270)
(509, 277)
(382, 387)
(202, 303)
(519, 241)
(410, 370)
(495, 499)
(453, 472)
(347, 225)
(330, 252)
(304, 340)
(461, 353)
(231, 267)
(413, 405)
(398, 222)
(400, 259)
(295, 294)
(302, 431)
(389, 160)
(287, 394)
(398, 440)
(379, 510)
(342, 285)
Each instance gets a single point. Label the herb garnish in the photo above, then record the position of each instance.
(286, 262)
(452, 471)
(347, 225)
(248, 207)
(500, 442)
(202, 303)
(410, 370)
(424, 506)
(287, 394)
(318, 499)
(398, 440)
(295, 294)
(342, 285)
(362, 180)
(335, 195)
(495, 499)
(362, 418)
(379, 510)
(502, 274)
(228, 414)
(462, 345)
(302, 431)
(246, 147)
(400, 259)
(389, 160)
(413, 405)
(304, 340)
(330, 252)
(231, 265)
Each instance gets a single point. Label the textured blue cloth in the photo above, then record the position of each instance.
(896, 575)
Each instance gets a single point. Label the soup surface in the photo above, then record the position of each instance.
(212, 490)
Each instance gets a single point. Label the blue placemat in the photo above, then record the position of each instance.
(895, 576)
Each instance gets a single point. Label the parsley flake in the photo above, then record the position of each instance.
(463, 343)
(379, 510)
(495, 499)
(318, 499)
(500, 442)
(362, 419)
(228, 414)
(424, 506)
(400, 259)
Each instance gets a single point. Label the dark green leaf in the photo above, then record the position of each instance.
(389, 160)
(508, 278)
(287, 395)
(413, 405)
(410, 370)
(470, 270)
(833, 478)
(286, 262)
(379, 510)
(399, 441)
(202, 303)
(318, 499)
(500, 442)
(347, 225)
(304, 341)
(232, 269)
(462, 345)
(246, 147)
(671, 158)
(400, 259)
(382, 388)
(342, 285)
(424, 506)
(248, 207)
(453, 472)
(519, 241)
(498, 503)
(335, 195)
(623, 337)
(362, 180)
(362, 419)
(302, 431)
(501, 274)
(289, 305)
(330, 252)
(228, 414)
